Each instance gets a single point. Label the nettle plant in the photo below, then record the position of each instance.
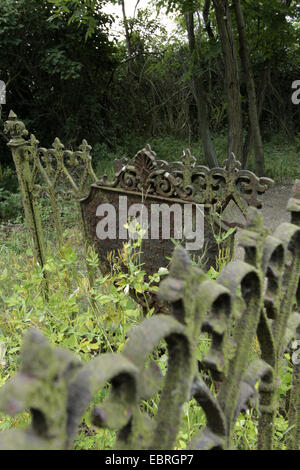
(252, 300)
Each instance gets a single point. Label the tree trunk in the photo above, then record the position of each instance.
(253, 115)
(212, 38)
(199, 96)
(232, 82)
(127, 33)
(260, 98)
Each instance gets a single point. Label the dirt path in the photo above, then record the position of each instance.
(275, 201)
(274, 210)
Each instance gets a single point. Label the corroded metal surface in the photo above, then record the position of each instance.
(154, 253)
(144, 179)
(258, 297)
(190, 182)
(64, 172)
(55, 173)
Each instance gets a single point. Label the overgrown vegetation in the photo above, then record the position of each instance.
(129, 90)
(92, 321)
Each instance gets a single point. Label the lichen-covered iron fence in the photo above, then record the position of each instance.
(60, 173)
(255, 298)
(64, 174)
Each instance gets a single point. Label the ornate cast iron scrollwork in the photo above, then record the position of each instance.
(188, 181)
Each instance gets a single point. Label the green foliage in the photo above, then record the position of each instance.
(270, 29)
(282, 159)
(57, 63)
(122, 101)
(54, 64)
(81, 12)
(92, 321)
(10, 199)
(8, 179)
(86, 320)
(183, 6)
(10, 206)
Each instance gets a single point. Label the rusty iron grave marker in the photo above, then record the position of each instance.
(165, 197)
(155, 252)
